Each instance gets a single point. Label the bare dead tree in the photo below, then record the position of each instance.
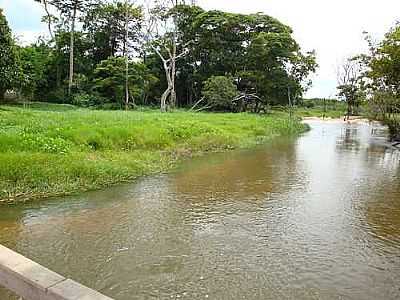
(162, 37)
(348, 74)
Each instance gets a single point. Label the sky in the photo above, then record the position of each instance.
(333, 28)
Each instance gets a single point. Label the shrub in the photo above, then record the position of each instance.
(219, 91)
(93, 99)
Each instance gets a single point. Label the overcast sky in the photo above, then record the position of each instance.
(332, 27)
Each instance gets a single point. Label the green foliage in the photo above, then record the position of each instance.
(381, 79)
(255, 49)
(276, 65)
(58, 150)
(105, 24)
(109, 79)
(33, 61)
(9, 71)
(66, 7)
(219, 91)
(384, 62)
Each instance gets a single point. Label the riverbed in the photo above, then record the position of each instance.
(314, 217)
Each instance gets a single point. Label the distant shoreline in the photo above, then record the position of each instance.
(353, 119)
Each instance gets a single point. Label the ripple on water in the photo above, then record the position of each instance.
(311, 218)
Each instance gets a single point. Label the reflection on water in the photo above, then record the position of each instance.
(311, 218)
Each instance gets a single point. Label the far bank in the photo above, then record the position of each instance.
(57, 150)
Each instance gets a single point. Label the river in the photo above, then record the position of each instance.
(314, 217)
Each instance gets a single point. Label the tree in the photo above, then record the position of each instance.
(70, 9)
(381, 78)
(255, 49)
(348, 75)
(105, 24)
(33, 62)
(49, 18)
(219, 92)
(8, 55)
(162, 37)
(109, 79)
(111, 27)
(384, 62)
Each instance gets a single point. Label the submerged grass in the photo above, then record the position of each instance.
(49, 151)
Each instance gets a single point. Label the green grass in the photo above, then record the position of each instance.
(58, 150)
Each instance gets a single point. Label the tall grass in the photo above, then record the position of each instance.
(47, 151)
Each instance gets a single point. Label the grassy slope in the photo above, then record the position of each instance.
(56, 150)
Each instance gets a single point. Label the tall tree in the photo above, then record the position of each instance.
(348, 75)
(381, 78)
(255, 49)
(109, 79)
(8, 57)
(105, 25)
(33, 62)
(114, 29)
(384, 62)
(162, 36)
(51, 21)
(49, 18)
(70, 9)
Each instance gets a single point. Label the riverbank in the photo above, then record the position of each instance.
(48, 152)
(336, 113)
(352, 119)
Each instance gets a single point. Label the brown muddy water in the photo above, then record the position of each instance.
(317, 217)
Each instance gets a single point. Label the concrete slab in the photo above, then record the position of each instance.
(72, 290)
(10, 259)
(37, 275)
(32, 281)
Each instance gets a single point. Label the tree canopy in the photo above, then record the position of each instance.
(175, 51)
(8, 58)
(378, 80)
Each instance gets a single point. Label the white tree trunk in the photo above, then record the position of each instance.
(168, 92)
(126, 57)
(173, 68)
(71, 51)
(49, 22)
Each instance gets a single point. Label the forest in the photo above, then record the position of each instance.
(169, 54)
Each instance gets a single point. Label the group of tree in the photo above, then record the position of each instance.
(164, 52)
(375, 79)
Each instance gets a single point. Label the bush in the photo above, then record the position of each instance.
(219, 91)
(84, 99)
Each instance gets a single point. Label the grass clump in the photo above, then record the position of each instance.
(48, 151)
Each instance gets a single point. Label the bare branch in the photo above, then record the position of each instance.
(197, 103)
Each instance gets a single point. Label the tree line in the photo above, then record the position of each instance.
(373, 78)
(165, 53)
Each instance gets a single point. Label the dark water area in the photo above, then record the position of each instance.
(316, 217)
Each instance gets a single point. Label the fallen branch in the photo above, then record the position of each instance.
(204, 108)
(197, 103)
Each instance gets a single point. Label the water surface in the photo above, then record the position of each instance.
(316, 217)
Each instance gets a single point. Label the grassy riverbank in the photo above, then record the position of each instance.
(58, 150)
